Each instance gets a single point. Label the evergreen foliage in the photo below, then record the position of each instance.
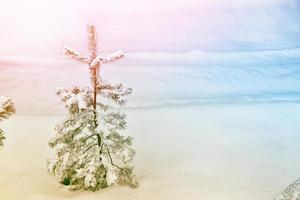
(91, 153)
(7, 108)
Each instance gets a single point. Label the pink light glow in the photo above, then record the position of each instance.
(42, 27)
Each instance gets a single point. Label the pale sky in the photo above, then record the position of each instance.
(36, 27)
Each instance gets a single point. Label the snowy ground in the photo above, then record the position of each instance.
(229, 152)
(207, 126)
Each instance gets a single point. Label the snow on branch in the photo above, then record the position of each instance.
(68, 51)
(112, 58)
(91, 152)
(7, 108)
(93, 60)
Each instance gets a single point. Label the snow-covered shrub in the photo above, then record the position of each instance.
(7, 108)
(292, 192)
(90, 151)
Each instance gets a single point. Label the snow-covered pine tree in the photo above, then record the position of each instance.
(7, 108)
(90, 151)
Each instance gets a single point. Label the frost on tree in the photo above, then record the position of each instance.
(90, 151)
(7, 108)
(292, 192)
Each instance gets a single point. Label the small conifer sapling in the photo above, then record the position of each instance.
(91, 153)
(7, 108)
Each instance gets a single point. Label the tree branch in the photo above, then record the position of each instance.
(89, 147)
(75, 55)
(89, 137)
(111, 161)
